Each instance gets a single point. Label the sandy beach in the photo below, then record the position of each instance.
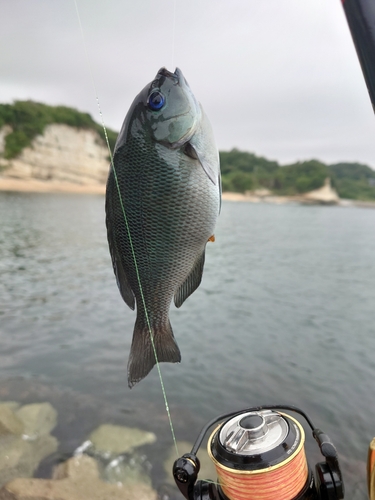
(36, 186)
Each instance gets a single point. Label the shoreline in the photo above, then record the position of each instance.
(299, 200)
(36, 186)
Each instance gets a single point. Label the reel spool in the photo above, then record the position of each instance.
(259, 453)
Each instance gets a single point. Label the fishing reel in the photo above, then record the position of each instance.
(259, 453)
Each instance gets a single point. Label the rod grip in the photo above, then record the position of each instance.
(371, 470)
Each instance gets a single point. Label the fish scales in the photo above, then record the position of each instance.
(171, 206)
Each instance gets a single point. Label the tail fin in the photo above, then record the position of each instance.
(142, 355)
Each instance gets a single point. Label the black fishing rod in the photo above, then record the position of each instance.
(360, 15)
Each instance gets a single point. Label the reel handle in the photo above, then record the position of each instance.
(185, 473)
(328, 474)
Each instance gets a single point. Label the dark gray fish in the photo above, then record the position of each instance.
(166, 169)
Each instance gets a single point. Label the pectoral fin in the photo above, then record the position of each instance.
(192, 150)
(191, 283)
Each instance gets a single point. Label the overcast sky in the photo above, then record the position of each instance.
(279, 78)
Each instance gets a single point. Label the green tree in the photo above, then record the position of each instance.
(301, 177)
(354, 181)
(242, 171)
(239, 181)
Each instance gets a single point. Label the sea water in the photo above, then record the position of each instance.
(285, 314)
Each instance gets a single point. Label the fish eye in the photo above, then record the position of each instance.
(156, 100)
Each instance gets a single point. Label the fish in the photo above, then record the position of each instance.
(163, 197)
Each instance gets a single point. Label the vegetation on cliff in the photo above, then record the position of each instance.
(29, 119)
(354, 180)
(243, 171)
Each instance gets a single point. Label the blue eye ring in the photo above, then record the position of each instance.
(156, 100)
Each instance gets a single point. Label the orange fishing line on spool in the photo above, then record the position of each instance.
(283, 481)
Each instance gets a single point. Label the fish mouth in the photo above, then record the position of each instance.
(177, 76)
(164, 72)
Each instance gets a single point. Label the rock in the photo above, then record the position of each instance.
(78, 480)
(4, 131)
(76, 467)
(20, 458)
(20, 455)
(13, 405)
(115, 439)
(12, 449)
(207, 470)
(261, 193)
(128, 469)
(125, 468)
(38, 419)
(63, 154)
(325, 195)
(9, 422)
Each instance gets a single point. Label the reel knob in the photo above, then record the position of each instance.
(253, 433)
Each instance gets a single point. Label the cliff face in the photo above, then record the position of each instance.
(325, 195)
(61, 154)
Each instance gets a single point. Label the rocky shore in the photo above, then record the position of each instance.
(325, 195)
(106, 466)
(62, 445)
(111, 463)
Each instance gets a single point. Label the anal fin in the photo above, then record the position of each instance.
(191, 283)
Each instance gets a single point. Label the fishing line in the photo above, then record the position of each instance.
(128, 231)
(173, 33)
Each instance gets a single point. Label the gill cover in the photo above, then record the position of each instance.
(177, 120)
